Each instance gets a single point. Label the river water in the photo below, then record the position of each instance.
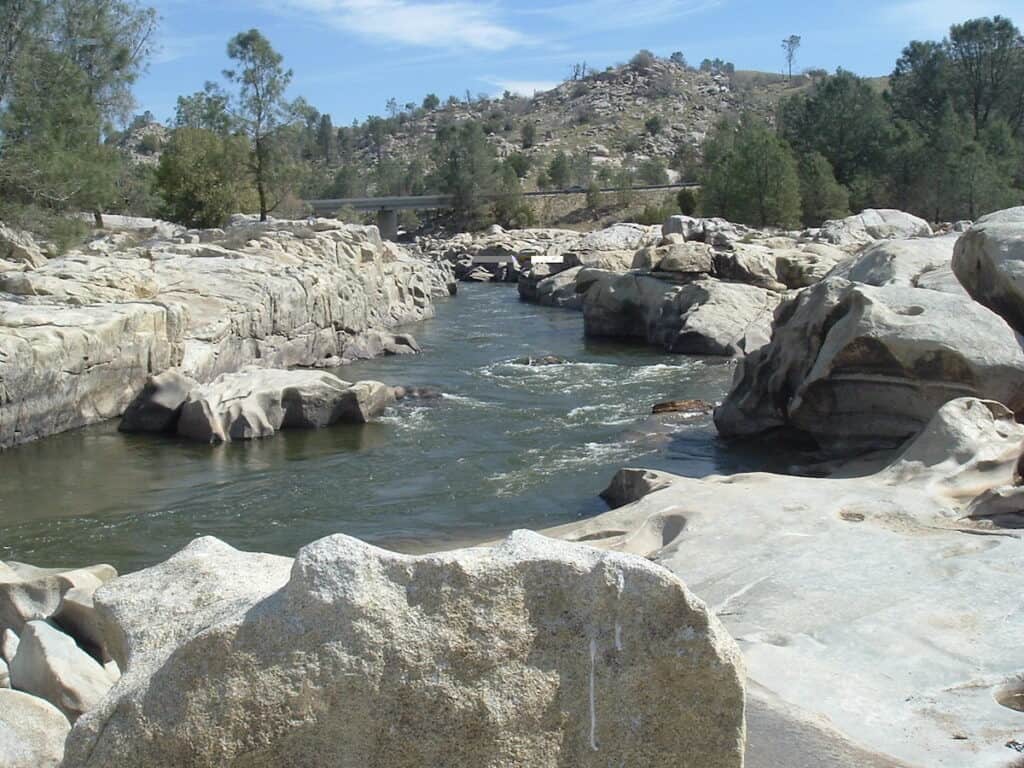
(506, 446)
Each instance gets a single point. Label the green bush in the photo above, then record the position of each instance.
(686, 199)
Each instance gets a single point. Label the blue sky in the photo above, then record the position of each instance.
(350, 56)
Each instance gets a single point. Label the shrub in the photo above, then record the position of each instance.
(642, 61)
(653, 125)
(686, 199)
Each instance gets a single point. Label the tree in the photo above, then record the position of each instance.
(261, 109)
(431, 102)
(510, 207)
(392, 107)
(790, 46)
(920, 85)
(653, 125)
(988, 57)
(466, 169)
(66, 70)
(822, 197)
(203, 177)
(325, 138)
(686, 199)
(750, 176)
(642, 61)
(206, 109)
(560, 170)
(528, 134)
(519, 163)
(652, 172)
(593, 196)
(678, 59)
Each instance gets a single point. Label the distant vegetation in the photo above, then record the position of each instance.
(944, 139)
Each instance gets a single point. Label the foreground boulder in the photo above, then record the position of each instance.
(534, 653)
(989, 262)
(860, 366)
(32, 732)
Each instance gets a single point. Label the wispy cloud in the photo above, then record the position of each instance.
(933, 18)
(171, 48)
(592, 15)
(445, 24)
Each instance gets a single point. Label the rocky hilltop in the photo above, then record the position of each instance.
(80, 333)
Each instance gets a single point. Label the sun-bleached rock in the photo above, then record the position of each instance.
(158, 406)
(256, 403)
(989, 262)
(28, 592)
(32, 731)
(49, 664)
(873, 224)
(856, 365)
(81, 334)
(864, 599)
(533, 652)
(706, 317)
(899, 262)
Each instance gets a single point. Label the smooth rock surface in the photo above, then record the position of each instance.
(533, 652)
(158, 405)
(899, 262)
(873, 224)
(868, 603)
(989, 262)
(859, 366)
(28, 592)
(50, 665)
(32, 731)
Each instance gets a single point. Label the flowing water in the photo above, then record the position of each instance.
(506, 446)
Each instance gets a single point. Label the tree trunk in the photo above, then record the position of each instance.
(97, 217)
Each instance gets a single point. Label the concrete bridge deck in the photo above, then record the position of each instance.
(387, 208)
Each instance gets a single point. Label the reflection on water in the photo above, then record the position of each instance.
(507, 446)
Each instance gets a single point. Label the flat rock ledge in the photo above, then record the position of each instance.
(881, 604)
(533, 652)
(81, 333)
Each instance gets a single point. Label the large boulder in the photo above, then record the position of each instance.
(989, 262)
(873, 224)
(899, 262)
(49, 664)
(799, 268)
(534, 652)
(705, 317)
(559, 290)
(256, 403)
(32, 731)
(862, 365)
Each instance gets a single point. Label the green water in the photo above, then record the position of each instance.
(507, 446)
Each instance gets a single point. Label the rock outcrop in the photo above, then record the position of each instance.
(706, 317)
(870, 225)
(32, 732)
(901, 616)
(28, 593)
(256, 403)
(532, 653)
(80, 334)
(989, 262)
(858, 365)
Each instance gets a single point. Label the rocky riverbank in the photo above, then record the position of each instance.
(81, 333)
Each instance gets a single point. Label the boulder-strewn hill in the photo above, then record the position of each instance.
(606, 115)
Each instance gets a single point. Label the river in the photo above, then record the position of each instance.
(506, 446)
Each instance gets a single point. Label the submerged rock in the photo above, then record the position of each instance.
(683, 406)
(534, 653)
(32, 731)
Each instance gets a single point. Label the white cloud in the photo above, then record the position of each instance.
(177, 47)
(445, 24)
(933, 18)
(523, 87)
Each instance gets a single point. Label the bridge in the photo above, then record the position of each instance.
(387, 208)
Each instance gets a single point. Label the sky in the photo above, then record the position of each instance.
(350, 56)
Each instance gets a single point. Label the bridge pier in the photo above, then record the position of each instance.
(387, 223)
